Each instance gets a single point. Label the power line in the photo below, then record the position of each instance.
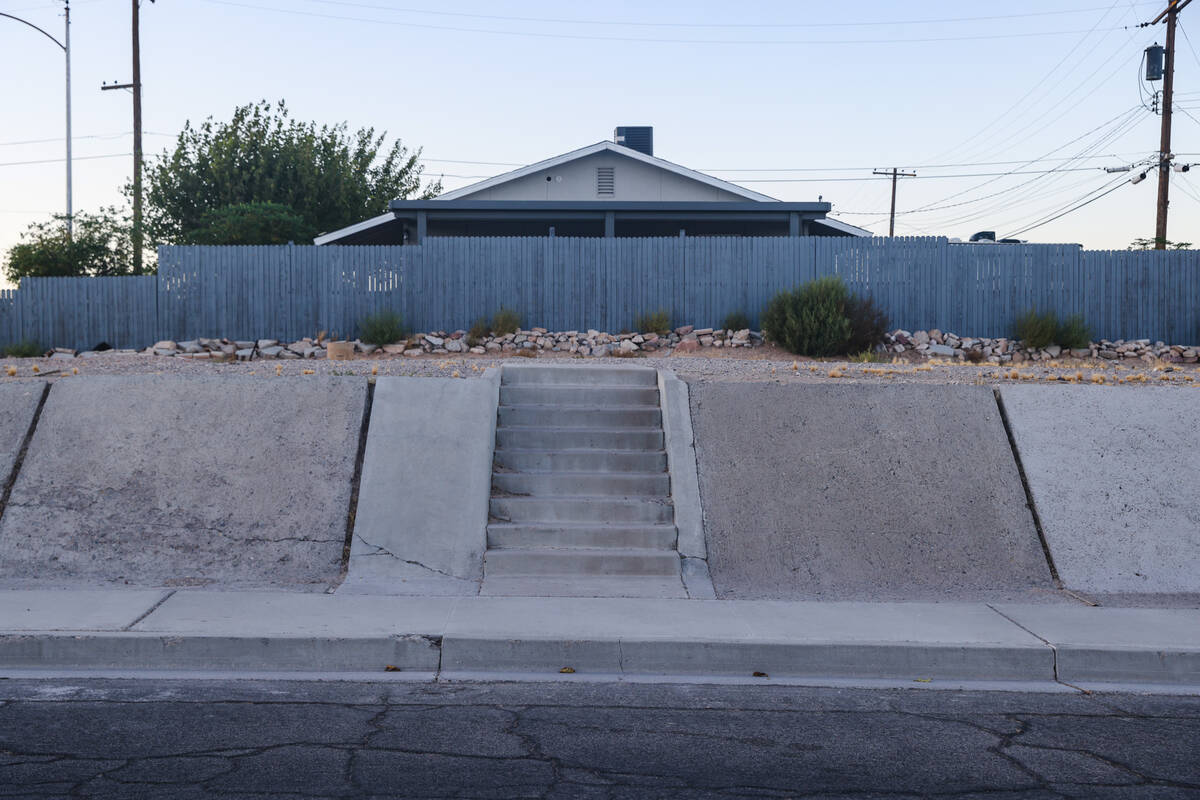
(644, 40)
(1122, 182)
(60, 160)
(88, 136)
(637, 24)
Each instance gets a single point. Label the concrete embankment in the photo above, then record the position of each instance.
(172, 481)
(1113, 476)
(863, 492)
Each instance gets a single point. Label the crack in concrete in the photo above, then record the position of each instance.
(383, 551)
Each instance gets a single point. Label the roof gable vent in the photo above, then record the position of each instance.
(606, 180)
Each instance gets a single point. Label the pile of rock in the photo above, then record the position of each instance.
(242, 350)
(936, 344)
(585, 343)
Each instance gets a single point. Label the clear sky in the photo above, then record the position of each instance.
(794, 99)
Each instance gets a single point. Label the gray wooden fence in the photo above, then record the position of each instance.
(287, 292)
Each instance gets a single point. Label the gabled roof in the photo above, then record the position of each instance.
(600, 147)
(842, 227)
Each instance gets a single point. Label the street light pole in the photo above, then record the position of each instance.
(66, 48)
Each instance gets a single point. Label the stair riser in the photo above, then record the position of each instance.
(646, 537)
(567, 485)
(578, 439)
(551, 394)
(598, 511)
(514, 375)
(590, 461)
(517, 562)
(554, 417)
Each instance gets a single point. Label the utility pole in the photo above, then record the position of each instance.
(896, 175)
(1164, 146)
(136, 86)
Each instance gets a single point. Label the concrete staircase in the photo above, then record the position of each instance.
(581, 495)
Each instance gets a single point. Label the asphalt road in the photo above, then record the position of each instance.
(180, 740)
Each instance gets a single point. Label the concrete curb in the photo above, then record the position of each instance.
(636, 639)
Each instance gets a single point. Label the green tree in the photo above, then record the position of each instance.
(329, 176)
(101, 245)
(252, 223)
(1148, 244)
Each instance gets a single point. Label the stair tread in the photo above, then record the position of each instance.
(580, 473)
(598, 552)
(584, 586)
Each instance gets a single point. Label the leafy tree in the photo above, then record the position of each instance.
(252, 223)
(100, 245)
(1148, 244)
(327, 175)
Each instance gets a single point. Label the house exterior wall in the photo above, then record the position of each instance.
(633, 181)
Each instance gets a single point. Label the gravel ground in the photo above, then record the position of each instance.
(758, 364)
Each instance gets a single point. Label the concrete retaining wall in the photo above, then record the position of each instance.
(421, 524)
(169, 480)
(862, 492)
(18, 403)
(1113, 473)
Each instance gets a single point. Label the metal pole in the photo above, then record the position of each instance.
(67, 49)
(137, 146)
(892, 219)
(1164, 147)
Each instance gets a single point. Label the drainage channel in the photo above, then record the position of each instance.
(11, 480)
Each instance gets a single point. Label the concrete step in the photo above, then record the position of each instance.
(503, 535)
(581, 586)
(549, 416)
(581, 460)
(580, 561)
(582, 484)
(626, 376)
(575, 394)
(627, 439)
(601, 510)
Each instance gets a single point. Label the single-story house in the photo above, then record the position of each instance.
(613, 188)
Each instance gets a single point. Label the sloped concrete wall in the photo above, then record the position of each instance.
(18, 403)
(1113, 472)
(170, 480)
(862, 492)
(421, 523)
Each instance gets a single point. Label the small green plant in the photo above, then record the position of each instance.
(382, 328)
(871, 357)
(506, 321)
(1036, 330)
(479, 329)
(26, 349)
(1074, 333)
(810, 320)
(868, 324)
(736, 321)
(654, 322)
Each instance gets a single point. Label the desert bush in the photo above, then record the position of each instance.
(1036, 330)
(26, 349)
(478, 330)
(810, 320)
(868, 324)
(736, 321)
(653, 322)
(505, 322)
(1074, 333)
(384, 327)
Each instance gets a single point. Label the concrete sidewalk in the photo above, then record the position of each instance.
(518, 637)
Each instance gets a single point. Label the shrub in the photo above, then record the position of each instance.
(506, 321)
(1036, 330)
(736, 321)
(26, 349)
(868, 324)
(654, 322)
(382, 328)
(479, 329)
(810, 320)
(1074, 334)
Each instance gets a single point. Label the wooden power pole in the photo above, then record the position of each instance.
(1164, 145)
(896, 175)
(136, 86)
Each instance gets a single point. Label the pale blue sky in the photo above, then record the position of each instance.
(744, 91)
